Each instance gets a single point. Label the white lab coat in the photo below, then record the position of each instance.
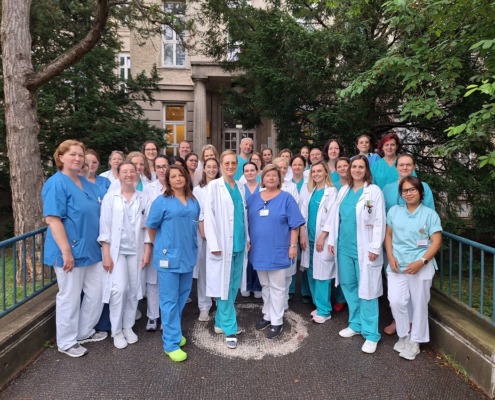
(370, 236)
(219, 231)
(111, 225)
(200, 194)
(291, 188)
(324, 267)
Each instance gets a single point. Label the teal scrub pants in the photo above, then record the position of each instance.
(225, 316)
(320, 290)
(363, 314)
(337, 294)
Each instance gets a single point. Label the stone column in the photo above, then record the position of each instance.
(199, 134)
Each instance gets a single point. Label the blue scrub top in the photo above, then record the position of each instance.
(314, 203)
(299, 185)
(383, 174)
(247, 193)
(372, 158)
(393, 198)
(102, 184)
(347, 227)
(408, 228)
(79, 211)
(337, 185)
(176, 242)
(240, 167)
(239, 226)
(270, 235)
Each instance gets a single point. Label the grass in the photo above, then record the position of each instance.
(450, 362)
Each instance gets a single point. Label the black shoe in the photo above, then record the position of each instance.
(291, 296)
(274, 331)
(307, 299)
(262, 325)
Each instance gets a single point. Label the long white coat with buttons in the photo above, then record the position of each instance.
(219, 232)
(323, 262)
(111, 225)
(370, 229)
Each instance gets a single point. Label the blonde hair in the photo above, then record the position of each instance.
(208, 147)
(268, 168)
(63, 148)
(147, 171)
(311, 182)
(281, 159)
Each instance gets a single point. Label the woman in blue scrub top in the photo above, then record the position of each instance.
(72, 212)
(356, 232)
(227, 240)
(331, 152)
(414, 236)
(316, 258)
(274, 221)
(363, 144)
(172, 226)
(251, 175)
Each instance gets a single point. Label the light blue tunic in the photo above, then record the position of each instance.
(239, 228)
(372, 158)
(79, 211)
(314, 203)
(408, 228)
(176, 242)
(393, 198)
(347, 241)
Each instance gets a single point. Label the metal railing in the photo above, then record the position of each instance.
(23, 274)
(466, 274)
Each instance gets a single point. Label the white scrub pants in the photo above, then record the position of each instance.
(123, 296)
(75, 319)
(273, 291)
(152, 301)
(411, 291)
(204, 302)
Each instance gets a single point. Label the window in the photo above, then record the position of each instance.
(174, 53)
(233, 137)
(175, 124)
(124, 66)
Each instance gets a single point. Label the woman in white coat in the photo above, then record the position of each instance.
(210, 172)
(356, 232)
(226, 226)
(315, 256)
(122, 236)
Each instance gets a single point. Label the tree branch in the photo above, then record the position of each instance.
(73, 55)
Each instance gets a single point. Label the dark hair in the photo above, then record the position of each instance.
(164, 157)
(404, 155)
(327, 145)
(250, 163)
(367, 175)
(148, 142)
(300, 157)
(387, 138)
(416, 182)
(178, 159)
(187, 187)
(203, 175)
(94, 153)
(285, 151)
(346, 159)
(188, 156)
(260, 156)
(125, 163)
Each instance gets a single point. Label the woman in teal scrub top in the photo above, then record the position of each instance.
(331, 152)
(383, 170)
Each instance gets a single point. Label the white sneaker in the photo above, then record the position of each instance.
(130, 336)
(204, 316)
(119, 340)
(321, 320)
(188, 300)
(411, 350)
(138, 314)
(257, 294)
(245, 293)
(348, 332)
(151, 325)
(75, 351)
(369, 347)
(399, 346)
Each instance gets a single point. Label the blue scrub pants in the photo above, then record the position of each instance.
(225, 317)
(320, 290)
(363, 314)
(252, 281)
(174, 289)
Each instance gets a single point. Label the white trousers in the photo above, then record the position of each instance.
(152, 302)
(123, 297)
(204, 302)
(75, 320)
(273, 290)
(409, 296)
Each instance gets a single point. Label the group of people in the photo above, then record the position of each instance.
(152, 223)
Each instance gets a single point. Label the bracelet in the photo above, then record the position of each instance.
(293, 245)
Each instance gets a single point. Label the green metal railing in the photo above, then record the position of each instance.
(23, 274)
(466, 274)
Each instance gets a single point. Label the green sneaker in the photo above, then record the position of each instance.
(177, 355)
(183, 341)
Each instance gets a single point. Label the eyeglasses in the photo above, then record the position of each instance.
(411, 190)
(153, 149)
(192, 160)
(161, 166)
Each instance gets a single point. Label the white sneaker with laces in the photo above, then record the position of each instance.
(129, 335)
(348, 332)
(399, 346)
(411, 350)
(119, 341)
(75, 351)
(369, 347)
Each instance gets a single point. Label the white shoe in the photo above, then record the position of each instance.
(245, 293)
(75, 351)
(204, 316)
(119, 340)
(151, 325)
(411, 350)
(188, 300)
(399, 346)
(257, 294)
(369, 347)
(138, 314)
(348, 332)
(129, 335)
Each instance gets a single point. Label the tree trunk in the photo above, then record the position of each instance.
(26, 174)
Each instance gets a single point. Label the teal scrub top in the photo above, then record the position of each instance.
(383, 174)
(393, 198)
(239, 228)
(335, 177)
(408, 228)
(299, 184)
(314, 203)
(240, 167)
(347, 227)
(337, 185)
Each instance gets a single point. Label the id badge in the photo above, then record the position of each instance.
(163, 263)
(422, 242)
(264, 213)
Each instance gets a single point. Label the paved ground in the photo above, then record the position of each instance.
(308, 361)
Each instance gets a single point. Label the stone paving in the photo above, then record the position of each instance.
(307, 361)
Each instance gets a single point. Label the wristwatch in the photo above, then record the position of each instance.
(425, 261)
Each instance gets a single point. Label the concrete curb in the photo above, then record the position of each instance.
(24, 333)
(457, 332)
